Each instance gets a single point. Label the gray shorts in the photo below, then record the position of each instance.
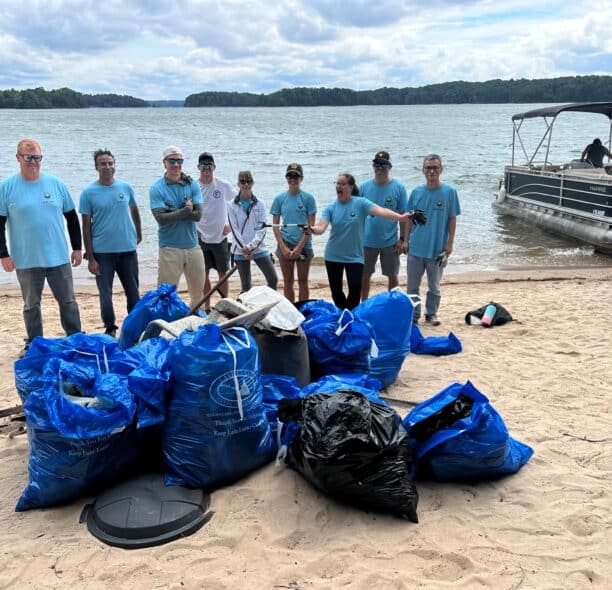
(307, 253)
(216, 256)
(389, 260)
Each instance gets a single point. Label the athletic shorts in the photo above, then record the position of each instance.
(216, 256)
(307, 253)
(389, 260)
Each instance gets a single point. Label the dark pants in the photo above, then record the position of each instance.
(32, 282)
(125, 264)
(354, 274)
(266, 266)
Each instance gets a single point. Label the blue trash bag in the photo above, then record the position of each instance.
(148, 369)
(88, 349)
(316, 308)
(338, 343)
(434, 345)
(163, 303)
(276, 388)
(216, 429)
(459, 436)
(77, 449)
(390, 315)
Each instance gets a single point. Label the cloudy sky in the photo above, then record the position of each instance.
(164, 49)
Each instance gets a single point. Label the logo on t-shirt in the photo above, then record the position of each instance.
(121, 196)
(47, 198)
(216, 194)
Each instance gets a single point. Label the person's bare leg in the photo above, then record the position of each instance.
(224, 288)
(288, 278)
(392, 282)
(303, 286)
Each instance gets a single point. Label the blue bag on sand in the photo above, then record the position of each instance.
(338, 343)
(364, 384)
(216, 429)
(276, 388)
(435, 345)
(460, 436)
(161, 304)
(390, 315)
(87, 349)
(315, 308)
(81, 433)
(148, 369)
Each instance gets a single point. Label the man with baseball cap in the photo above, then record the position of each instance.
(213, 226)
(381, 236)
(176, 204)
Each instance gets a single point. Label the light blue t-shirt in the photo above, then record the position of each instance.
(112, 227)
(294, 209)
(427, 241)
(162, 194)
(347, 222)
(35, 220)
(379, 232)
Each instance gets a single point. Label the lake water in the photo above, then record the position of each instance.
(474, 141)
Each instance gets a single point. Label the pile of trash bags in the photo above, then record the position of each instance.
(200, 408)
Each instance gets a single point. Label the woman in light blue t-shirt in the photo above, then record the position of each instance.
(344, 249)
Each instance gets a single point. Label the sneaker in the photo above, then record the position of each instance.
(111, 331)
(432, 320)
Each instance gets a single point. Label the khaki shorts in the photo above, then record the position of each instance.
(173, 262)
(389, 260)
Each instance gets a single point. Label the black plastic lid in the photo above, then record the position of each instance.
(143, 512)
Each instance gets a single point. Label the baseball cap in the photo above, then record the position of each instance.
(206, 157)
(172, 150)
(382, 158)
(294, 168)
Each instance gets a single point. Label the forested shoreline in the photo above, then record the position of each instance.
(557, 90)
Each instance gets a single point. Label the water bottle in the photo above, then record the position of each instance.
(487, 318)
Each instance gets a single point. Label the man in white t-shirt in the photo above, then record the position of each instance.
(213, 226)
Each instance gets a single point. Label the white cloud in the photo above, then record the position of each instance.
(156, 49)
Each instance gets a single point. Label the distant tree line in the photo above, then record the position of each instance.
(566, 89)
(63, 98)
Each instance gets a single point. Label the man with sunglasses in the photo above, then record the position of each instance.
(111, 231)
(430, 245)
(34, 206)
(381, 236)
(176, 204)
(213, 227)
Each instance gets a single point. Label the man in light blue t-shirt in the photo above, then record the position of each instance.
(430, 245)
(381, 237)
(176, 204)
(111, 230)
(34, 206)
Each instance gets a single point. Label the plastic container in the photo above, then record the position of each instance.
(487, 318)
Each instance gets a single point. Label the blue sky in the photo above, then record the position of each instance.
(160, 49)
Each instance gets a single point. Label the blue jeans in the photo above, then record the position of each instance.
(417, 266)
(32, 282)
(125, 264)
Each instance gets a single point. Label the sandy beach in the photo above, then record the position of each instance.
(549, 374)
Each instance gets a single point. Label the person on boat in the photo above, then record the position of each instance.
(34, 206)
(213, 228)
(111, 231)
(430, 245)
(344, 250)
(381, 235)
(594, 153)
(176, 204)
(289, 210)
(247, 219)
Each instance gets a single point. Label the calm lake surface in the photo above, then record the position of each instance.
(474, 141)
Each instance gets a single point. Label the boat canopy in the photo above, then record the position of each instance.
(602, 108)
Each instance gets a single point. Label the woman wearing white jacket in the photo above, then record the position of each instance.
(247, 217)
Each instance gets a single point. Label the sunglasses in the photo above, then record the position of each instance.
(431, 168)
(381, 166)
(293, 175)
(246, 181)
(31, 158)
(173, 161)
(206, 165)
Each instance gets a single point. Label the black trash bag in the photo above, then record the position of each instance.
(501, 317)
(355, 450)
